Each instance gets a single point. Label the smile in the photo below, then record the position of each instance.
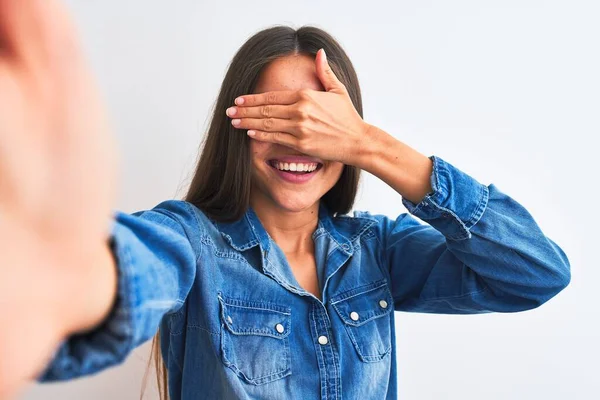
(295, 172)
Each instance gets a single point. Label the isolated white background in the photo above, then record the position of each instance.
(508, 91)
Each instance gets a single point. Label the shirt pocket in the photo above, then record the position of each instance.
(364, 312)
(254, 339)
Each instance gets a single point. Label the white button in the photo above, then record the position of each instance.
(229, 319)
(383, 303)
(279, 328)
(354, 316)
(323, 340)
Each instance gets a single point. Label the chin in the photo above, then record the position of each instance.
(294, 202)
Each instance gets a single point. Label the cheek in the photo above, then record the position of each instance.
(259, 149)
(336, 170)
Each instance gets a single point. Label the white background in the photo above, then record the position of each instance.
(507, 91)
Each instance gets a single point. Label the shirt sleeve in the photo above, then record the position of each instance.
(478, 251)
(156, 265)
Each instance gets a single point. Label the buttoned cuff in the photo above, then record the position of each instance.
(455, 204)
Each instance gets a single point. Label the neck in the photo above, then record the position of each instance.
(291, 230)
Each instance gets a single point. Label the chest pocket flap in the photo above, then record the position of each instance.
(254, 339)
(365, 314)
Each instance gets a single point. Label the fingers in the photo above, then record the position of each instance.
(325, 73)
(17, 25)
(282, 138)
(265, 124)
(264, 111)
(282, 97)
(36, 32)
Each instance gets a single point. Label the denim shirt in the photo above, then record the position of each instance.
(235, 323)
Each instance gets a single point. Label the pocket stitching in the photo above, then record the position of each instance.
(265, 307)
(350, 325)
(284, 340)
(378, 314)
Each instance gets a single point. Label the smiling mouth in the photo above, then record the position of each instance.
(295, 168)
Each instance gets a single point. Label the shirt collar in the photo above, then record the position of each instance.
(248, 231)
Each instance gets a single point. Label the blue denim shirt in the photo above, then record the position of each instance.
(236, 324)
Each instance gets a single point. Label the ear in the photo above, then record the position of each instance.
(325, 73)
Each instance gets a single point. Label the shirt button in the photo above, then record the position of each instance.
(323, 340)
(383, 303)
(279, 328)
(354, 316)
(229, 319)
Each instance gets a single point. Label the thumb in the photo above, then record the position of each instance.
(325, 73)
(35, 31)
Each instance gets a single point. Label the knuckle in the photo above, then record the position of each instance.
(268, 123)
(304, 145)
(304, 93)
(303, 129)
(271, 98)
(301, 114)
(265, 111)
(303, 111)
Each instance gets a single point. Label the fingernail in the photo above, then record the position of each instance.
(324, 55)
(231, 111)
(239, 101)
(236, 122)
(251, 133)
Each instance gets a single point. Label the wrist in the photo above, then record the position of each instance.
(374, 142)
(403, 168)
(85, 283)
(93, 290)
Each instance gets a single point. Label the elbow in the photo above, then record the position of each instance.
(562, 277)
(559, 271)
(554, 282)
(538, 283)
(552, 275)
(534, 293)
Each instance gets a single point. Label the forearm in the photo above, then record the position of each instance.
(93, 292)
(403, 168)
(156, 265)
(77, 285)
(48, 291)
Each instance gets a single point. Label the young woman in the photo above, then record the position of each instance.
(260, 283)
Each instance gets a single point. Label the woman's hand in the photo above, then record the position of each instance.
(316, 123)
(57, 184)
(326, 125)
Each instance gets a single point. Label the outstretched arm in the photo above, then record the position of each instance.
(57, 169)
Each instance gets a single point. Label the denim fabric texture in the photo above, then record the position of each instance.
(236, 324)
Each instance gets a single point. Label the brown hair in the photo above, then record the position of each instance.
(220, 186)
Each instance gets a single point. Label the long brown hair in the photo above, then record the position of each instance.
(220, 186)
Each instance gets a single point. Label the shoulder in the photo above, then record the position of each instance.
(177, 215)
(382, 225)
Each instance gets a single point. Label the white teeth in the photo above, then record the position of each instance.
(302, 167)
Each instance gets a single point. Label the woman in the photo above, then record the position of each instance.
(262, 287)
